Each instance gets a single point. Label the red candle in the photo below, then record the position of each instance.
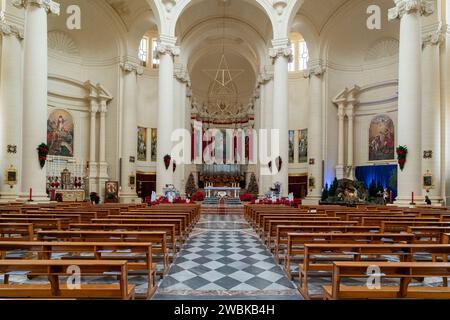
(412, 198)
(31, 194)
(390, 198)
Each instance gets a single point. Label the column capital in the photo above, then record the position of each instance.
(103, 109)
(128, 65)
(265, 75)
(167, 45)
(404, 7)
(51, 7)
(281, 48)
(315, 68)
(434, 37)
(181, 74)
(10, 30)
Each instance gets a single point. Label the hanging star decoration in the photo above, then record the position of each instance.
(223, 75)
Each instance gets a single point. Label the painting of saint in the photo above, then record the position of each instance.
(291, 145)
(60, 133)
(154, 144)
(303, 146)
(381, 139)
(142, 144)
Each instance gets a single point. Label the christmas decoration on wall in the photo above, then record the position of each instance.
(402, 152)
(42, 153)
(167, 160)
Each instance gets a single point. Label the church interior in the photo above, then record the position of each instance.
(224, 149)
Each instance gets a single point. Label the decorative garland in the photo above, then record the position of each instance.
(278, 163)
(402, 152)
(167, 159)
(42, 150)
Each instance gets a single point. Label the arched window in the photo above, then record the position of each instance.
(147, 50)
(300, 53)
(143, 51)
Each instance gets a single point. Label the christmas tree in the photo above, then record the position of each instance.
(191, 188)
(325, 193)
(333, 188)
(373, 189)
(253, 185)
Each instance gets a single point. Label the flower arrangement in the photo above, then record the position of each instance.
(402, 152)
(247, 197)
(167, 159)
(198, 196)
(42, 150)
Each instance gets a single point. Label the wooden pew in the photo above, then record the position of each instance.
(399, 226)
(446, 238)
(40, 223)
(296, 242)
(171, 236)
(318, 258)
(157, 238)
(282, 232)
(72, 218)
(16, 232)
(405, 271)
(54, 269)
(428, 234)
(139, 255)
(177, 222)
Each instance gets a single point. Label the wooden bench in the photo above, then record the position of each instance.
(71, 218)
(157, 238)
(402, 226)
(40, 223)
(177, 222)
(428, 234)
(318, 258)
(139, 255)
(405, 271)
(296, 242)
(281, 237)
(54, 269)
(172, 237)
(16, 232)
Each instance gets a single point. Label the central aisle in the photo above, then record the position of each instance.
(224, 258)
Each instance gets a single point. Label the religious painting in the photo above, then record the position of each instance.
(428, 182)
(111, 192)
(291, 145)
(142, 144)
(60, 133)
(303, 146)
(154, 144)
(381, 139)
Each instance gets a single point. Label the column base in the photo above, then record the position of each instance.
(8, 197)
(311, 200)
(129, 198)
(406, 203)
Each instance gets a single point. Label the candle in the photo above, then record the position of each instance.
(391, 198)
(31, 194)
(412, 197)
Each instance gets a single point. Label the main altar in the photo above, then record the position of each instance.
(222, 192)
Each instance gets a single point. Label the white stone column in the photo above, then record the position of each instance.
(102, 164)
(431, 111)
(166, 51)
(130, 70)
(93, 166)
(350, 142)
(341, 144)
(181, 80)
(281, 53)
(410, 94)
(315, 145)
(10, 107)
(35, 94)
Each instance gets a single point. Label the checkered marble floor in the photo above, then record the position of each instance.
(224, 257)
